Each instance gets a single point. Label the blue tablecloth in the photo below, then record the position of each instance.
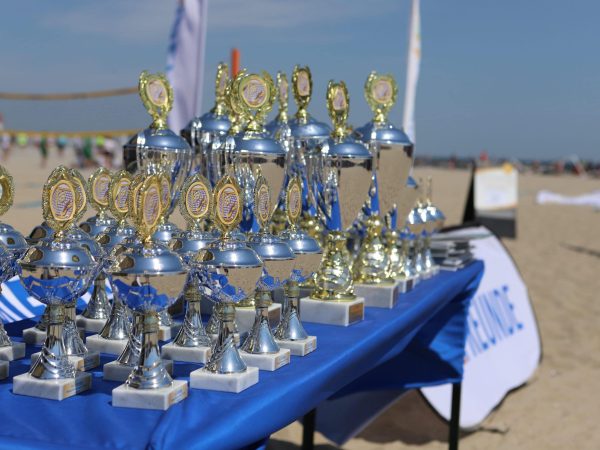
(419, 342)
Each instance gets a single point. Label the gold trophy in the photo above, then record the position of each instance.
(344, 177)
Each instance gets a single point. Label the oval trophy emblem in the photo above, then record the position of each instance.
(294, 200)
(157, 92)
(62, 201)
(228, 204)
(151, 206)
(303, 83)
(80, 195)
(283, 90)
(382, 91)
(263, 203)
(165, 191)
(254, 91)
(339, 102)
(197, 200)
(122, 195)
(100, 189)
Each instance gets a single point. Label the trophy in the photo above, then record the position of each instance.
(12, 247)
(148, 276)
(278, 128)
(206, 133)
(56, 272)
(259, 349)
(434, 220)
(416, 230)
(342, 177)
(97, 311)
(228, 271)
(192, 343)
(113, 336)
(252, 96)
(290, 333)
(158, 150)
(376, 268)
(307, 135)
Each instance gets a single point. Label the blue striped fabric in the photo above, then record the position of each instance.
(16, 304)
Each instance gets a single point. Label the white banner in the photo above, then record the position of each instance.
(413, 64)
(496, 188)
(503, 346)
(185, 61)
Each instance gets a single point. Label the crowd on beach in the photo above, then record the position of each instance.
(89, 151)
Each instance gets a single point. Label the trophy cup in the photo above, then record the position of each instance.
(98, 308)
(12, 247)
(307, 135)
(434, 220)
(206, 133)
(376, 269)
(416, 229)
(192, 344)
(290, 333)
(343, 179)
(229, 271)
(112, 339)
(259, 349)
(148, 276)
(158, 150)
(56, 272)
(252, 97)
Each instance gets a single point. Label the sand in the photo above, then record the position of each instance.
(558, 253)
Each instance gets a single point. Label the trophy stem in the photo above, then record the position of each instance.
(98, 306)
(42, 324)
(71, 338)
(290, 327)
(130, 356)
(164, 318)
(225, 357)
(416, 256)
(150, 373)
(334, 278)
(214, 323)
(426, 254)
(192, 333)
(53, 362)
(4, 338)
(260, 340)
(117, 326)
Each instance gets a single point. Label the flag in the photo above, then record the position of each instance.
(185, 61)
(412, 70)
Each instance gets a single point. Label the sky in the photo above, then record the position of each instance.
(516, 78)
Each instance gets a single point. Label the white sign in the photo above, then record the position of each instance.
(496, 188)
(503, 347)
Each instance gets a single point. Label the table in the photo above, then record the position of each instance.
(420, 342)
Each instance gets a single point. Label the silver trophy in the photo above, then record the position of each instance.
(148, 277)
(192, 343)
(207, 133)
(56, 272)
(416, 230)
(434, 219)
(228, 271)
(259, 349)
(290, 333)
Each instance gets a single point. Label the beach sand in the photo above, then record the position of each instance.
(558, 253)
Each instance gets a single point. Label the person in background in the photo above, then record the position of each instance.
(6, 141)
(44, 151)
(61, 143)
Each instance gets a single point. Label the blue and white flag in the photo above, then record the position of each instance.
(412, 70)
(185, 61)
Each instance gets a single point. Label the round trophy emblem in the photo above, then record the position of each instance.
(294, 200)
(254, 91)
(151, 206)
(229, 204)
(197, 200)
(339, 102)
(62, 201)
(121, 195)
(100, 189)
(263, 203)
(303, 83)
(382, 90)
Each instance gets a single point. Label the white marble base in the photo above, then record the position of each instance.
(301, 347)
(332, 312)
(244, 317)
(33, 336)
(25, 384)
(90, 361)
(187, 354)
(384, 295)
(167, 333)
(114, 371)
(98, 344)
(406, 284)
(90, 325)
(269, 361)
(236, 338)
(230, 382)
(161, 398)
(12, 352)
(4, 366)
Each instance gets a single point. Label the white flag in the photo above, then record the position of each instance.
(185, 61)
(412, 70)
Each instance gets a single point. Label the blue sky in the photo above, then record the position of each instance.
(517, 78)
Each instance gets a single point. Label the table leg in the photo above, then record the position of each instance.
(454, 417)
(308, 430)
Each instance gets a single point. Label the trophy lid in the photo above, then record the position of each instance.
(386, 133)
(159, 139)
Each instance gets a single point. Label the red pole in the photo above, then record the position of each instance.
(235, 62)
